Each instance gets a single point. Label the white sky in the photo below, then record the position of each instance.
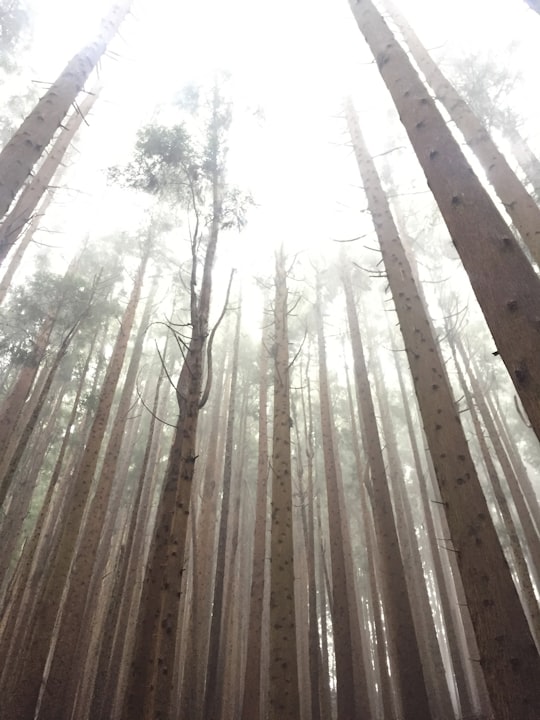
(296, 61)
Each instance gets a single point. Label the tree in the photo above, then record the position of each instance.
(27, 145)
(284, 700)
(500, 624)
(151, 680)
(484, 242)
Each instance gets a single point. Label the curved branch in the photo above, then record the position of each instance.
(206, 392)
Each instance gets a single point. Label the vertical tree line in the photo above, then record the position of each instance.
(204, 513)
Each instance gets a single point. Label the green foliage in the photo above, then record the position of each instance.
(165, 163)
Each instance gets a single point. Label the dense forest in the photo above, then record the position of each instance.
(269, 360)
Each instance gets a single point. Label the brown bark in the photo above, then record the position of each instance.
(284, 700)
(251, 704)
(151, 681)
(341, 609)
(501, 628)
(398, 611)
(27, 145)
(213, 688)
(69, 648)
(482, 239)
(32, 194)
(13, 404)
(25, 677)
(460, 657)
(519, 205)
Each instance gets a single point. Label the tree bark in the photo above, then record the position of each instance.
(503, 635)
(482, 239)
(284, 699)
(27, 145)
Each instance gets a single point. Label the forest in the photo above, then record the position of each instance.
(269, 360)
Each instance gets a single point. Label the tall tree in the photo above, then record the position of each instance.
(33, 192)
(151, 682)
(284, 698)
(520, 206)
(503, 635)
(396, 600)
(26, 146)
(251, 705)
(483, 240)
(20, 697)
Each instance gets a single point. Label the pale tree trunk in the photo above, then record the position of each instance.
(13, 404)
(521, 150)
(378, 653)
(25, 677)
(424, 622)
(459, 656)
(517, 557)
(520, 487)
(503, 635)
(347, 697)
(22, 246)
(151, 681)
(482, 239)
(27, 145)
(203, 531)
(32, 194)
(214, 687)
(397, 608)
(308, 527)
(116, 624)
(284, 699)
(519, 205)
(252, 708)
(69, 649)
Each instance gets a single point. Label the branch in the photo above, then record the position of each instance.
(206, 393)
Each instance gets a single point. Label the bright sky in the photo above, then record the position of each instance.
(296, 61)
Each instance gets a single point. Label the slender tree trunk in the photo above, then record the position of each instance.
(519, 205)
(151, 681)
(213, 691)
(284, 699)
(252, 701)
(426, 632)
(501, 628)
(341, 609)
(27, 145)
(19, 699)
(69, 649)
(483, 240)
(460, 661)
(13, 404)
(32, 194)
(396, 601)
(517, 557)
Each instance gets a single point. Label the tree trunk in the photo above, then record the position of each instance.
(341, 609)
(27, 145)
(151, 681)
(519, 205)
(69, 648)
(501, 628)
(214, 688)
(483, 240)
(26, 676)
(396, 601)
(31, 195)
(252, 701)
(284, 699)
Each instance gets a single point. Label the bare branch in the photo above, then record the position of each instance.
(206, 392)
